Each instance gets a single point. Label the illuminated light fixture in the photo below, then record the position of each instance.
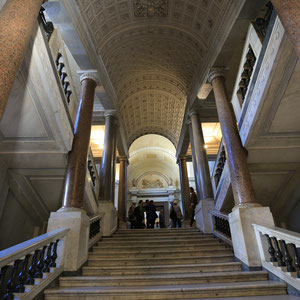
(205, 146)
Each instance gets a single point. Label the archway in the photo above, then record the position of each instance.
(153, 173)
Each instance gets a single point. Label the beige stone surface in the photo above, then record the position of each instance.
(110, 219)
(202, 216)
(76, 242)
(243, 234)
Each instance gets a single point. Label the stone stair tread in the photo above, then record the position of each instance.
(164, 276)
(163, 266)
(158, 258)
(167, 288)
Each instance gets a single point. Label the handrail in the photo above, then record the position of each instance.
(29, 267)
(8, 255)
(278, 249)
(219, 214)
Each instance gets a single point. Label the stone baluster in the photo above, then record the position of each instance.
(278, 253)
(32, 268)
(271, 249)
(286, 256)
(23, 275)
(296, 259)
(40, 264)
(17, 21)
(12, 282)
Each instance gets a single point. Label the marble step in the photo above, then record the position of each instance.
(158, 238)
(147, 233)
(161, 230)
(160, 261)
(235, 289)
(214, 244)
(159, 269)
(162, 279)
(161, 254)
(145, 242)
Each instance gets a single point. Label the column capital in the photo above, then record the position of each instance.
(124, 158)
(215, 72)
(89, 74)
(112, 113)
(193, 112)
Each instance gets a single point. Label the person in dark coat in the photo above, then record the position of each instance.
(146, 208)
(139, 215)
(152, 214)
(193, 203)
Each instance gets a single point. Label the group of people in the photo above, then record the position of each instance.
(136, 213)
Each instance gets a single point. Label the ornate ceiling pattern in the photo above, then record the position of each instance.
(152, 50)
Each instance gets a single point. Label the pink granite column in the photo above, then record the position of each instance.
(107, 163)
(17, 20)
(77, 161)
(185, 188)
(122, 192)
(240, 176)
(289, 14)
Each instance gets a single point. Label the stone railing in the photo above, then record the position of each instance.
(220, 225)
(93, 172)
(66, 71)
(220, 164)
(95, 229)
(279, 252)
(252, 49)
(29, 267)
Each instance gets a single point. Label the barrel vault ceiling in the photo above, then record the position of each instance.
(152, 51)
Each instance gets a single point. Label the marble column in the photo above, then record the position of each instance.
(236, 157)
(184, 183)
(107, 177)
(289, 14)
(203, 182)
(122, 199)
(76, 168)
(17, 21)
(113, 164)
(71, 215)
(202, 175)
(246, 212)
(107, 168)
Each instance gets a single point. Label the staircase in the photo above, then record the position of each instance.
(163, 264)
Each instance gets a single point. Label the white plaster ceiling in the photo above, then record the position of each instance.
(152, 50)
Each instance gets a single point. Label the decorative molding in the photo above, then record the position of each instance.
(215, 72)
(89, 74)
(150, 8)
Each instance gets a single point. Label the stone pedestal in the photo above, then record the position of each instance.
(76, 241)
(202, 215)
(109, 221)
(243, 235)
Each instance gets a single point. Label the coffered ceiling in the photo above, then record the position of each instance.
(153, 51)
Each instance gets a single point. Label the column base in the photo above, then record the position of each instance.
(76, 242)
(109, 221)
(243, 235)
(123, 225)
(202, 216)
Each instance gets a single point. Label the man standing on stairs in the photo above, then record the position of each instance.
(193, 203)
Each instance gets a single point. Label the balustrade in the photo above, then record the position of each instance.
(220, 166)
(246, 74)
(221, 227)
(61, 69)
(279, 252)
(30, 264)
(261, 24)
(95, 229)
(47, 25)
